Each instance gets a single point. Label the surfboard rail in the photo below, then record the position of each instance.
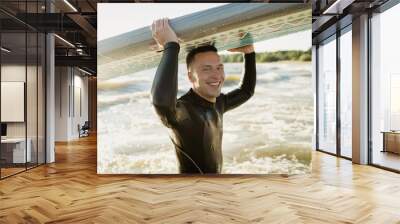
(224, 26)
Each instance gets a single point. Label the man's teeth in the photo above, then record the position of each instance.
(214, 83)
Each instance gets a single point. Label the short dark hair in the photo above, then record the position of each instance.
(192, 53)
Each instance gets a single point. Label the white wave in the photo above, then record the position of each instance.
(268, 165)
(133, 140)
(164, 162)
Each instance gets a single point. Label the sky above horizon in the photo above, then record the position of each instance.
(117, 18)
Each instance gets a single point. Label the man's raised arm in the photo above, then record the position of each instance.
(165, 84)
(245, 91)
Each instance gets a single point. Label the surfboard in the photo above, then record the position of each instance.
(227, 26)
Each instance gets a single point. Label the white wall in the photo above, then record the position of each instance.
(12, 73)
(81, 102)
(62, 81)
(70, 84)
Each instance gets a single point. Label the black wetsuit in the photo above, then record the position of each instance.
(196, 123)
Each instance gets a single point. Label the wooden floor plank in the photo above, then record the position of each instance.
(70, 191)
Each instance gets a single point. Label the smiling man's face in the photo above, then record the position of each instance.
(207, 75)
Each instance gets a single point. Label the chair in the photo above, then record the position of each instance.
(84, 130)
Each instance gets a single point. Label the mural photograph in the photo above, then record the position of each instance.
(204, 88)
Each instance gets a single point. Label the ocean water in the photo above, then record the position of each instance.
(270, 133)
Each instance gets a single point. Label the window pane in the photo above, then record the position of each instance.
(385, 89)
(327, 96)
(41, 98)
(14, 153)
(31, 88)
(345, 93)
(31, 97)
(394, 101)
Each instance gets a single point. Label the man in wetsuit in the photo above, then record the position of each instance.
(195, 119)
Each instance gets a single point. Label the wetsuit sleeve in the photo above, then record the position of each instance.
(165, 84)
(246, 89)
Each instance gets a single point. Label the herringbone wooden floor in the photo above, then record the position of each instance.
(70, 191)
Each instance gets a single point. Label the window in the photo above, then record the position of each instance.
(327, 95)
(22, 76)
(395, 102)
(346, 92)
(385, 89)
